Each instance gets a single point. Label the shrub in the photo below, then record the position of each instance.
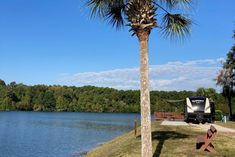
(218, 115)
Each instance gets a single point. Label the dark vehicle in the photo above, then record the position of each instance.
(199, 110)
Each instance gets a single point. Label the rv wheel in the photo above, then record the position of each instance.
(186, 120)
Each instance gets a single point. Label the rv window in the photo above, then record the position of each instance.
(198, 104)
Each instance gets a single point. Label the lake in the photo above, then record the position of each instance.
(43, 134)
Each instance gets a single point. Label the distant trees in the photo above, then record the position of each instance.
(49, 100)
(62, 98)
(93, 99)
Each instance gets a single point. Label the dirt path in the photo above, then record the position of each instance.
(174, 123)
(200, 127)
(205, 127)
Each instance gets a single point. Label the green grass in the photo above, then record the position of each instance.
(228, 124)
(167, 141)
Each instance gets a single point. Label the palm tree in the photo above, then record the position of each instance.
(207, 92)
(140, 16)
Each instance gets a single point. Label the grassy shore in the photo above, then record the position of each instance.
(167, 141)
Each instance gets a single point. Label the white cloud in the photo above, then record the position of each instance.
(178, 75)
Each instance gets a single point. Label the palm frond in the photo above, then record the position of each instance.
(176, 26)
(234, 34)
(97, 7)
(115, 14)
(110, 10)
(175, 3)
(233, 49)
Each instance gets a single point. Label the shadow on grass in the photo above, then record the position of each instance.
(162, 136)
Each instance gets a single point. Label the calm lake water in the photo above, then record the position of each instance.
(32, 134)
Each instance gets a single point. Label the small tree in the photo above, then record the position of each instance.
(226, 78)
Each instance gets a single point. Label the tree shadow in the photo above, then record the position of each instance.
(162, 136)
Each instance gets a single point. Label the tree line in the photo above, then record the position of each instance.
(20, 97)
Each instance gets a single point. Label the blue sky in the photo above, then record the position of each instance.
(55, 42)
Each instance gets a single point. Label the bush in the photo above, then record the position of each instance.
(218, 115)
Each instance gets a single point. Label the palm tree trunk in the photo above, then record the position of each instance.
(146, 137)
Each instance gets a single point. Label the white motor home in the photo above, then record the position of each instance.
(199, 109)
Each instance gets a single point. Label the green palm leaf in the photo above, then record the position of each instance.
(234, 34)
(119, 11)
(115, 14)
(111, 10)
(176, 26)
(98, 7)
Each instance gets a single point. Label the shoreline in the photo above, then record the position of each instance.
(102, 149)
(70, 112)
(167, 141)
